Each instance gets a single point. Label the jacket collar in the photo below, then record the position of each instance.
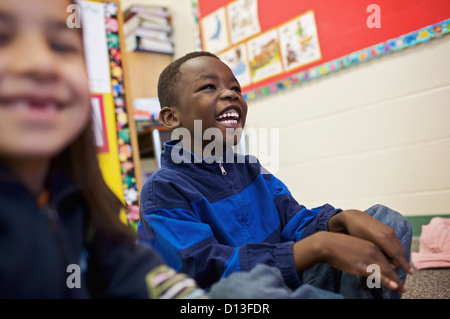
(175, 154)
(59, 183)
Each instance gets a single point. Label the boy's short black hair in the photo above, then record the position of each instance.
(168, 79)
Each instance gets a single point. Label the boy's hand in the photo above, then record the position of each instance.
(348, 253)
(361, 225)
(353, 255)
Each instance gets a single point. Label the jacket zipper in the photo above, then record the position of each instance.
(243, 223)
(222, 169)
(51, 213)
(52, 216)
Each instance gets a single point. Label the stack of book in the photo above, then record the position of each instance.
(148, 28)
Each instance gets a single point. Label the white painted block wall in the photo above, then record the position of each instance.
(378, 132)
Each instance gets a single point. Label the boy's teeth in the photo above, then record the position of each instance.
(229, 122)
(228, 114)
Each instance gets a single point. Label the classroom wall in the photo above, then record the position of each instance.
(374, 133)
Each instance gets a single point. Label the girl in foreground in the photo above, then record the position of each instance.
(60, 234)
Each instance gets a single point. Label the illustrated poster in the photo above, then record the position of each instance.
(214, 31)
(243, 19)
(264, 56)
(299, 42)
(237, 60)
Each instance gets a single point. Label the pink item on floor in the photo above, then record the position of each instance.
(434, 248)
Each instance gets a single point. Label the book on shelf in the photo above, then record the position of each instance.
(136, 43)
(149, 9)
(131, 23)
(151, 45)
(152, 25)
(130, 42)
(148, 28)
(153, 34)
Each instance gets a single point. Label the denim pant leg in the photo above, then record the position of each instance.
(324, 276)
(264, 282)
(402, 229)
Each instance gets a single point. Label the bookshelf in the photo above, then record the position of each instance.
(143, 72)
(143, 69)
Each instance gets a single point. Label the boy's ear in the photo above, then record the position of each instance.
(168, 117)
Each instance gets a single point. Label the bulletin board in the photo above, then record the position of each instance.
(114, 125)
(272, 45)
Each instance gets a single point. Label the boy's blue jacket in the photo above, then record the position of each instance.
(210, 219)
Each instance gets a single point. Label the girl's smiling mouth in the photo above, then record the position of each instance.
(33, 110)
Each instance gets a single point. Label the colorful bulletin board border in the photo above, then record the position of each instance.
(126, 160)
(273, 45)
(196, 15)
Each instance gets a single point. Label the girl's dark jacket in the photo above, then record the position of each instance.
(46, 252)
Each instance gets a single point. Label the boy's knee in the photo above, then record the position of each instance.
(390, 218)
(381, 212)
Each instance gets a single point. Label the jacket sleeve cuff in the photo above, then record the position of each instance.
(284, 261)
(326, 213)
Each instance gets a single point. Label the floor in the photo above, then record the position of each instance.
(427, 283)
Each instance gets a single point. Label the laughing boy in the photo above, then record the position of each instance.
(211, 212)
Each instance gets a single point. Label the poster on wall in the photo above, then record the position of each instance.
(299, 42)
(236, 58)
(215, 32)
(273, 45)
(264, 56)
(243, 19)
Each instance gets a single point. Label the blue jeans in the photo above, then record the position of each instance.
(264, 282)
(320, 281)
(325, 277)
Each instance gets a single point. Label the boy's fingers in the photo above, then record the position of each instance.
(398, 259)
(392, 285)
(390, 279)
(395, 253)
